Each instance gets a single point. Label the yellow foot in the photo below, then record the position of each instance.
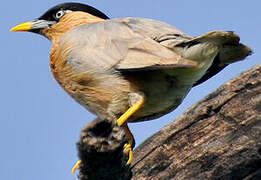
(128, 151)
(76, 166)
(122, 122)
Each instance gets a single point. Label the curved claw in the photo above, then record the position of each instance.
(76, 166)
(128, 150)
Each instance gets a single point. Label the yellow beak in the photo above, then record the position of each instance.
(27, 26)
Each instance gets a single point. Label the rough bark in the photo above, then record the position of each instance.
(100, 150)
(218, 138)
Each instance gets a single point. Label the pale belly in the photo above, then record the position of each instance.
(165, 90)
(163, 93)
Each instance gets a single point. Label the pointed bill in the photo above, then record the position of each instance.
(27, 26)
(35, 25)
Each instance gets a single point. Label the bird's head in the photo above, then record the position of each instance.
(62, 18)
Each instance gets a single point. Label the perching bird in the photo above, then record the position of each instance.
(129, 69)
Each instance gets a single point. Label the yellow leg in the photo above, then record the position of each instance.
(122, 121)
(76, 166)
(135, 107)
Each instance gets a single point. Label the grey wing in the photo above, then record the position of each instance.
(114, 45)
(163, 33)
(147, 54)
(231, 49)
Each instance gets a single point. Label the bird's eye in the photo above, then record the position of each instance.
(59, 14)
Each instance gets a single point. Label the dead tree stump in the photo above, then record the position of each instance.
(100, 150)
(218, 138)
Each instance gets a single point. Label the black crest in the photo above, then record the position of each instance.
(49, 15)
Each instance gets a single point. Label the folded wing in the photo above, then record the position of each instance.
(115, 46)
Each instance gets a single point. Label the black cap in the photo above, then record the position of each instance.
(50, 14)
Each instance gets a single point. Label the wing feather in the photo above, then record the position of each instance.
(103, 46)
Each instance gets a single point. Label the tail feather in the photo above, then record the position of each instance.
(232, 53)
(231, 50)
(219, 37)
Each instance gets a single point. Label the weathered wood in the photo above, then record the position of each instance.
(218, 138)
(100, 150)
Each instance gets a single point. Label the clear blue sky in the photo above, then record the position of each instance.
(40, 123)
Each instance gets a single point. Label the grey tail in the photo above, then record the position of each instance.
(231, 51)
